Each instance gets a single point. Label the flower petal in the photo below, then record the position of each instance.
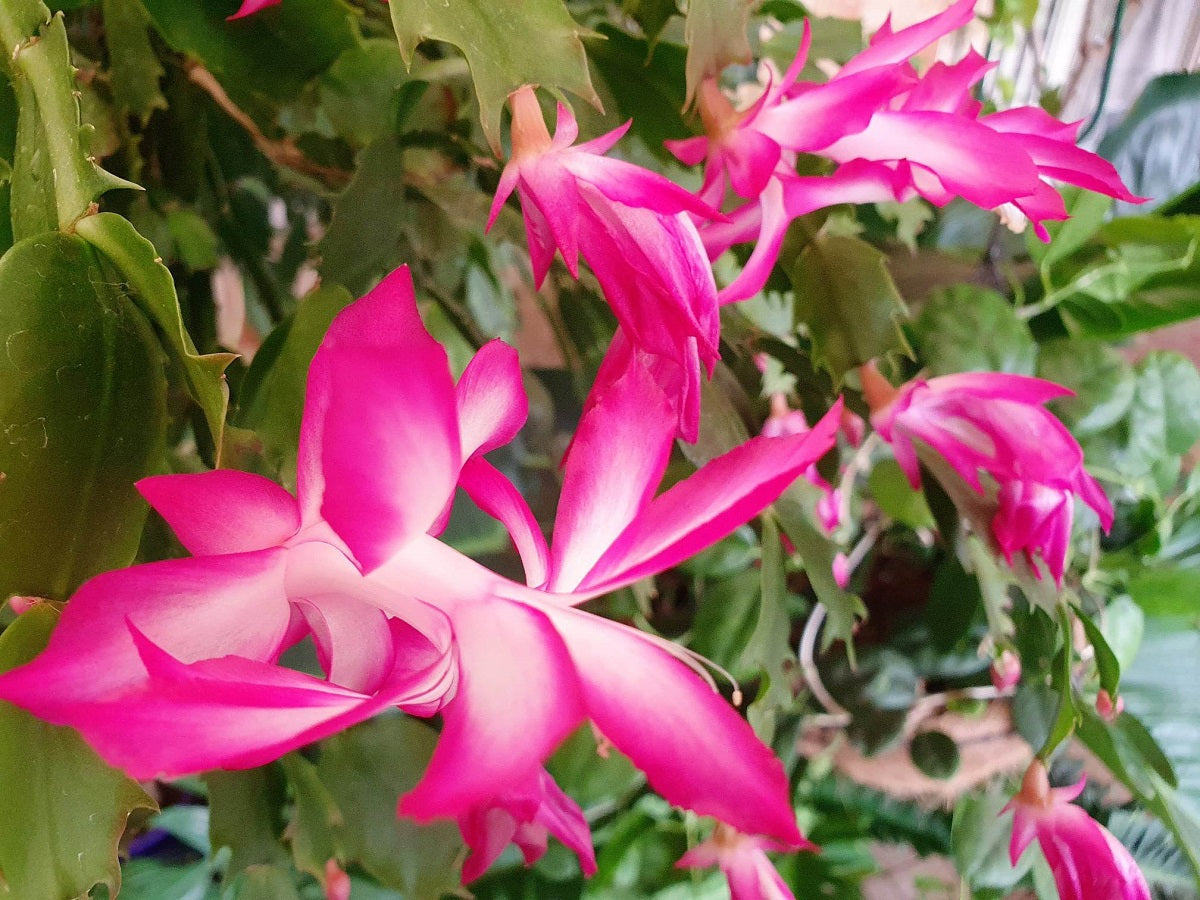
(889, 48)
(492, 405)
(695, 750)
(224, 511)
(616, 460)
(496, 496)
(380, 444)
(518, 697)
(704, 508)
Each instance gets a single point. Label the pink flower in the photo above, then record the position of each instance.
(987, 422)
(633, 229)
(643, 694)
(841, 570)
(894, 134)
(1106, 708)
(169, 668)
(1087, 861)
(743, 860)
(525, 816)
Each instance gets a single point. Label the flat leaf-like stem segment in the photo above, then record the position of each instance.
(507, 44)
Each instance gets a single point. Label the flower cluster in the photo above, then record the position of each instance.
(173, 667)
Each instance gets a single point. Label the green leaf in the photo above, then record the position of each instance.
(196, 243)
(949, 333)
(506, 46)
(769, 649)
(263, 883)
(133, 65)
(152, 288)
(848, 301)
(1123, 624)
(648, 89)
(366, 769)
(1165, 413)
(1086, 210)
(83, 418)
(1106, 661)
(64, 810)
(54, 167)
(314, 827)
(844, 609)
(272, 399)
(979, 839)
(1170, 591)
(246, 815)
(888, 484)
(275, 53)
(1102, 379)
(369, 216)
(954, 601)
(187, 823)
(651, 15)
(715, 34)
(361, 91)
(1145, 279)
(1148, 144)
(935, 753)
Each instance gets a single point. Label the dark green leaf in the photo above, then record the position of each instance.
(889, 486)
(366, 769)
(273, 400)
(954, 600)
(648, 89)
(651, 15)
(275, 52)
(769, 650)
(314, 827)
(951, 328)
(246, 815)
(506, 46)
(1148, 147)
(935, 754)
(846, 297)
(361, 91)
(1106, 661)
(134, 66)
(152, 288)
(363, 240)
(63, 809)
(83, 415)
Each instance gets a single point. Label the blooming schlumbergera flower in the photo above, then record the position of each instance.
(893, 133)
(1087, 861)
(171, 668)
(634, 230)
(993, 423)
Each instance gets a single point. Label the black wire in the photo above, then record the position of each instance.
(1108, 69)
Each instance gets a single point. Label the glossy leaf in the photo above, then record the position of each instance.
(505, 44)
(83, 415)
(847, 299)
(153, 290)
(951, 329)
(63, 809)
(1102, 379)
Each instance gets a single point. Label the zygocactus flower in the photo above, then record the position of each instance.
(743, 860)
(984, 422)
(634, 230)
(1087, 861)
(895, 135)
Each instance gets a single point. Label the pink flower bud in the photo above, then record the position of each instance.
(337, 882)
(1108, 709)
(1006, 671)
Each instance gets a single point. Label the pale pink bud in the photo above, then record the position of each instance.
(1108, 709)
(1006, 671)
(337, 882)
